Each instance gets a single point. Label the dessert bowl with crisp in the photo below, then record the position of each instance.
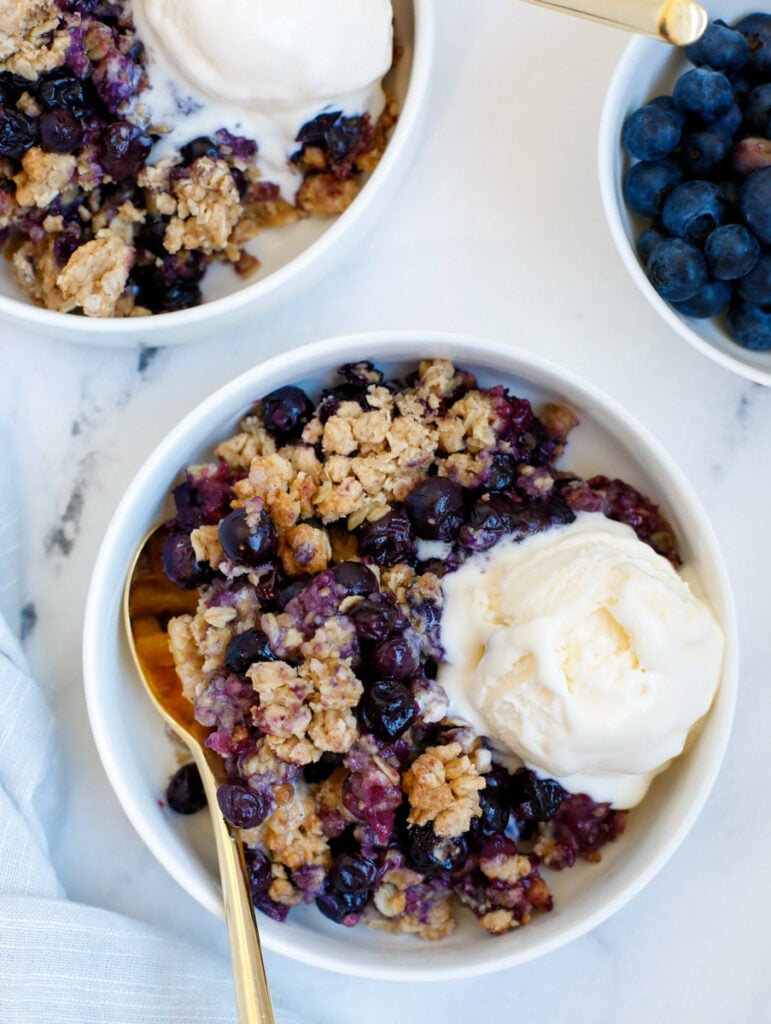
(704, 191)
(154, 176)
(394, 758)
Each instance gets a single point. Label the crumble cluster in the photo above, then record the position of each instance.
(91, 225)
(312, 653)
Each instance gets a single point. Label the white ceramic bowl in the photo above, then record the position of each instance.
(138, 757)
(290, 256)
(649, 68)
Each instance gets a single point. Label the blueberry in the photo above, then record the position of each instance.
(197, 148)
(241, 805)
(757, 30)
(757, 107)
(388, 540)
(290, 591)
(286, 411)
(245, 649)
(258, 871)
(150, 235)
(435, 507)
(352, 872)
(432, 855)
(750, 326)
(314, 131)
(751, 154)
(362, 373)
(355, 579)
(731, 251)
(495, 516)
(122, 150)
(149, 288)
(397, 657)
(387, 708)
(248, 544)
(185, 793)
(181, 295)
(692, 210)
(503, 473)
(647, 184)
(703, 92)
(676, 269)
(342, 907)
(17, 133)
(667, 103)
(730, 122)
(375, 617)
(721, 47)
(711, 299)
(494, 816)
(755, 287)
(728, 190)
(558, 512)
(651, 132)
(343, 137)
(61, 90)
(647, 242)
(755, 203)
(180, 564)
(533, 798)
(321, 770)
(705, 151)
(60, 132)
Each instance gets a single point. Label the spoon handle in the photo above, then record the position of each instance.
(680, 22)
(251, 984)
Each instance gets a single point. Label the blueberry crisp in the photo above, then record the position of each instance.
(314, 550)
(92, 220)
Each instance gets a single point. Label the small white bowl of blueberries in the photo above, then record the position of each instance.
(685, 175)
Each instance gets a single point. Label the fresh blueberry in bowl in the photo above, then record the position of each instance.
(692, 210)
(677, 269)
(652, 132)
(712, 190)
(648, 183)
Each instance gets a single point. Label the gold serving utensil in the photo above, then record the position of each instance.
(680, 22)
(149, 600)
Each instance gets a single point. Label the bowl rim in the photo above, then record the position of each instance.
(405, 344)
(124, 330)
(609, 140)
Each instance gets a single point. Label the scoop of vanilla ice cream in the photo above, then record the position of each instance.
(258, 52)
(583, 652)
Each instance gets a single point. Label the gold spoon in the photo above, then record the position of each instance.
(149, 600)
(680, 22)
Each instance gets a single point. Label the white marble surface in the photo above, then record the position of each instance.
(498, 230)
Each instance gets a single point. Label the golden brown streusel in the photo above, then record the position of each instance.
(43, 176)
(442, 786)
(33, 37)
(95, 275)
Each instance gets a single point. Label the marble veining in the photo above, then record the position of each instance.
(490, 234)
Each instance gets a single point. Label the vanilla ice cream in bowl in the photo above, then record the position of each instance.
(162, 163)
(459, 628)
(583, 652)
